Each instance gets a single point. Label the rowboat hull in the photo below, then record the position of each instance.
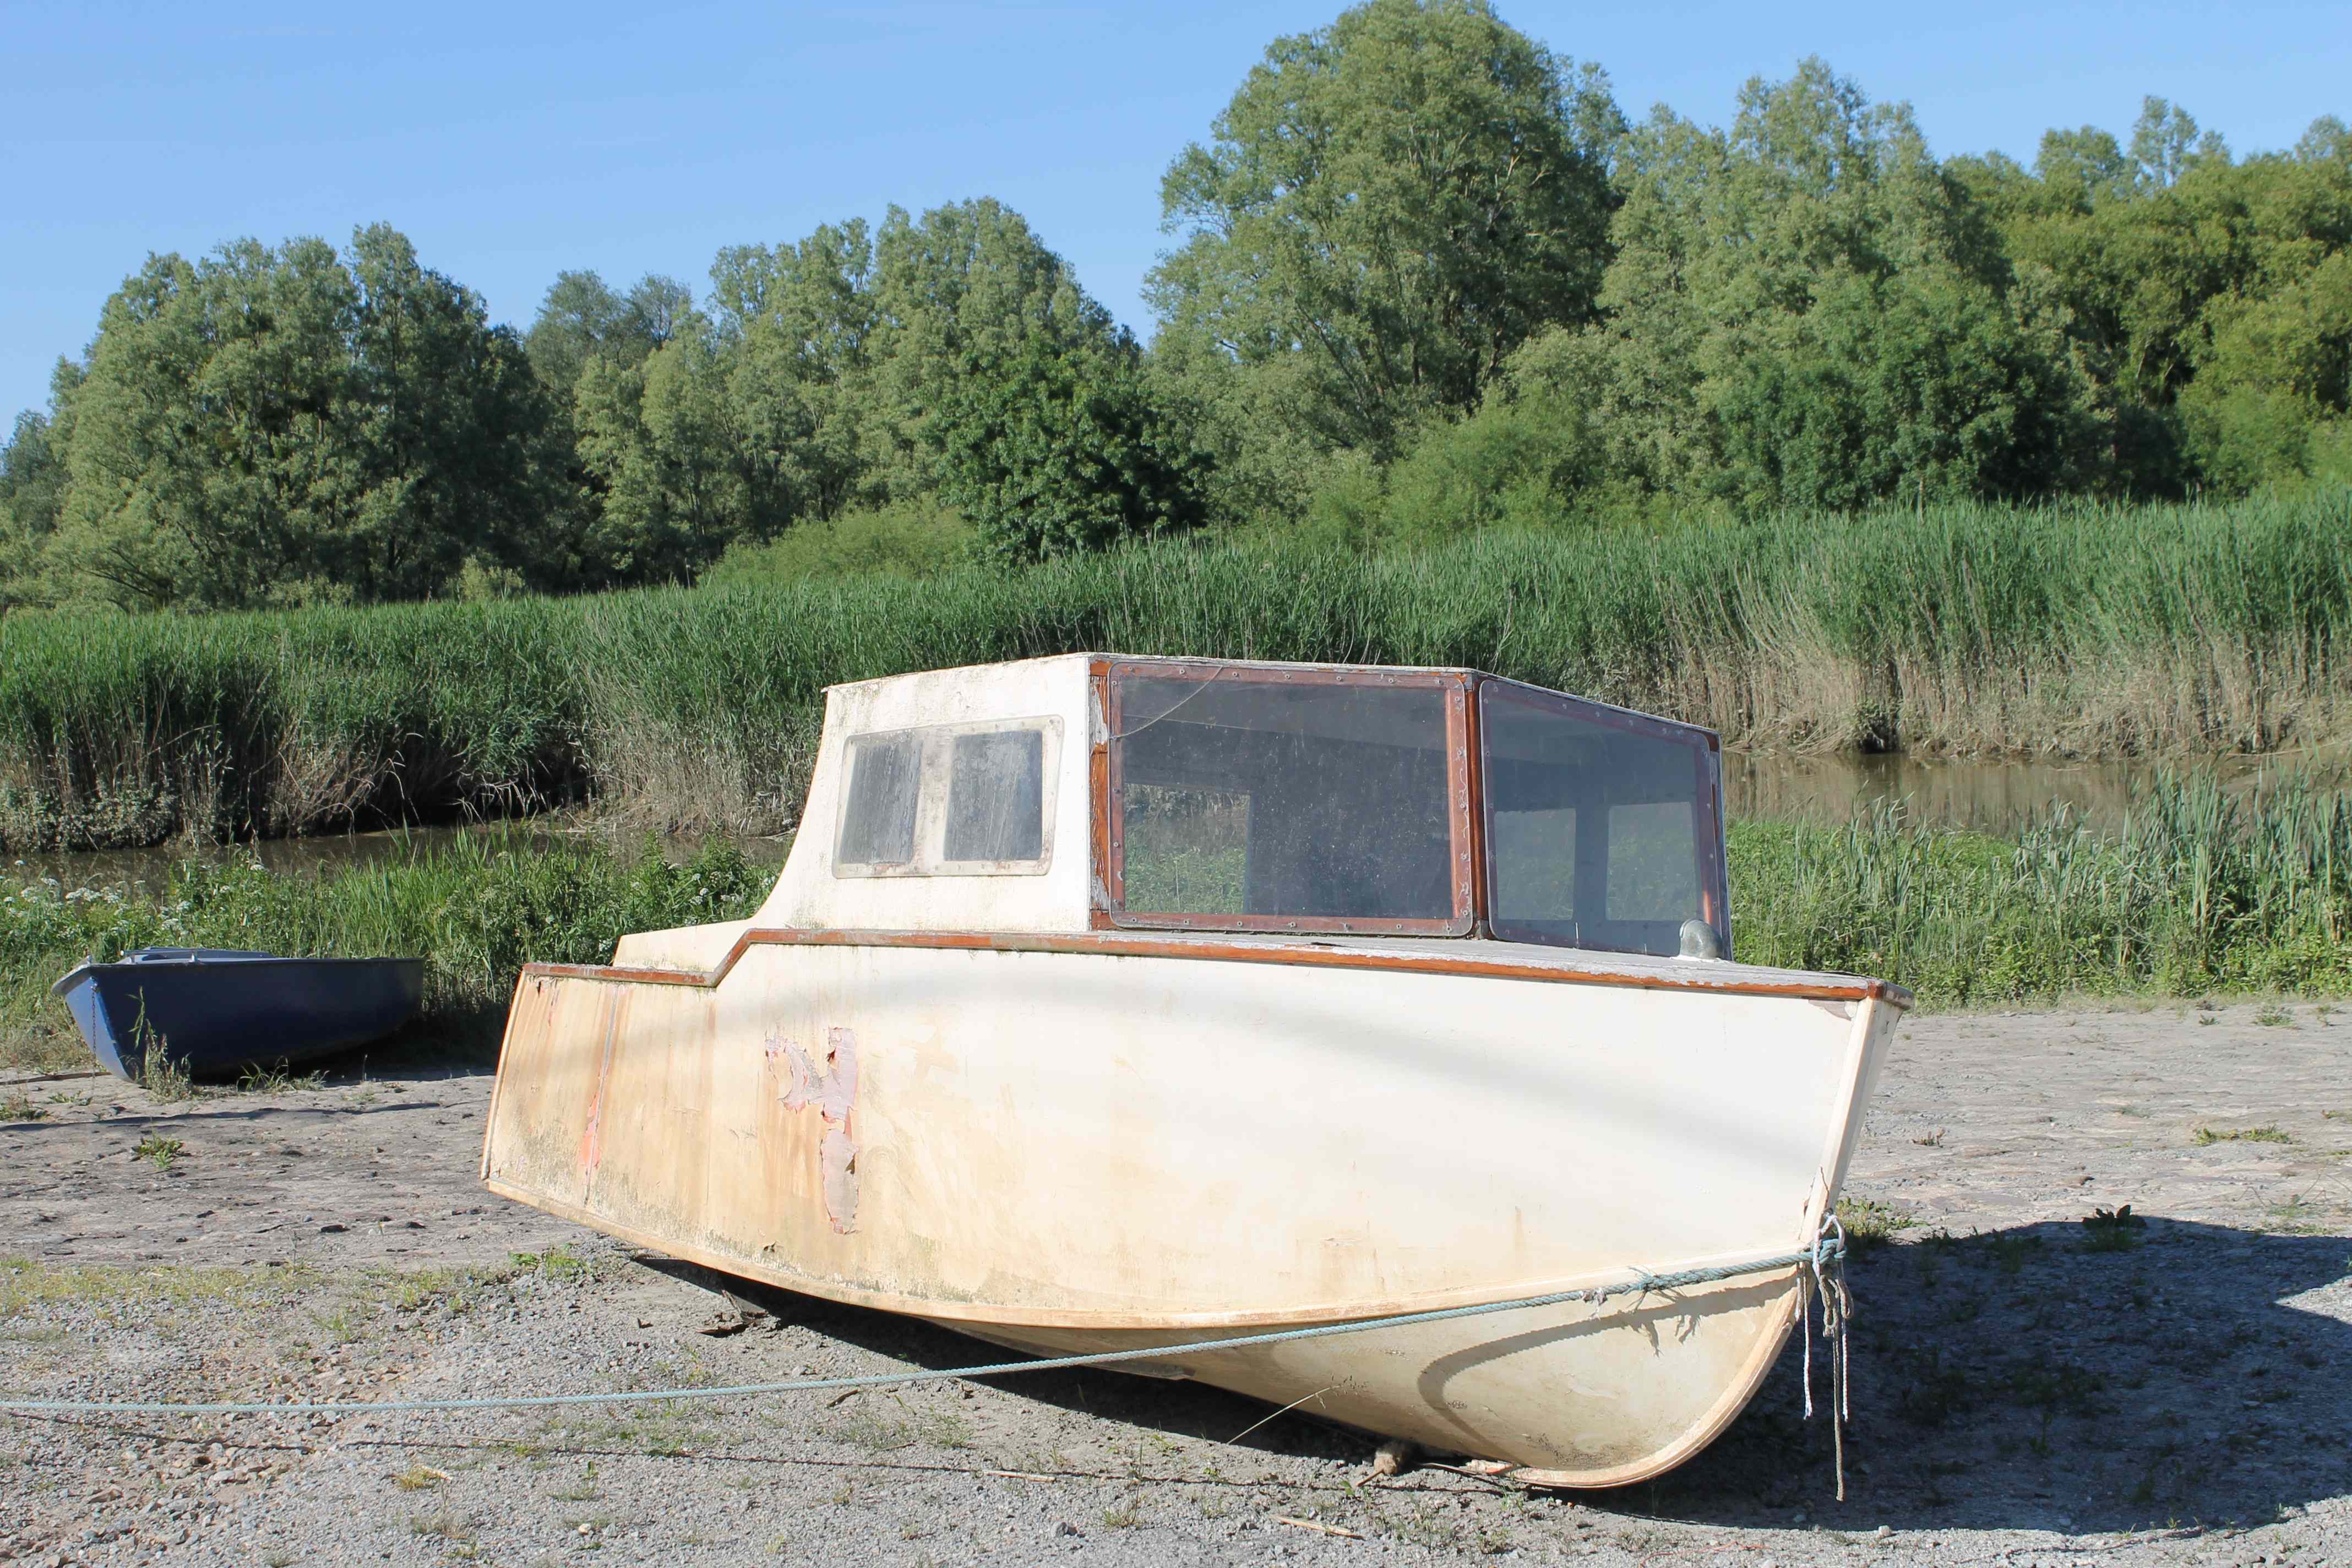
(214, 1013)
(1106, 1146)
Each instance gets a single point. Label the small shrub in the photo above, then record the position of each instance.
(911, 539)
(2114, 1230)
(164, 1077)
(276, 1079)
(1870, 1225)
(161, 1151)
(2206, 1135)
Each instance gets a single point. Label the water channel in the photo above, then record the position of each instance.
(1993, 796)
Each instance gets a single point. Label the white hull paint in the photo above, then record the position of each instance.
(1073, 1150)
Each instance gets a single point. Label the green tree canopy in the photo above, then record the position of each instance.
(267, 425)
(1050, 447)
(1390, 205)
(1807, 308)
(583, 318)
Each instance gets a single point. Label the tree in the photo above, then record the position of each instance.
(2082, 168)
(1051, 447)
(968, 283)
(583, 318)
(31, 486)
(2166, 144)
(798, 323)
(1807, 309)
(267, 425)
(662, 439)
(208, 440)
(448, 423)
(2196, 298)
(1391, 205)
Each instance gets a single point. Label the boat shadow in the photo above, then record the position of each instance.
(2037, 1377)
(445, 1044)
(1175, 1406)
(2048, 1377)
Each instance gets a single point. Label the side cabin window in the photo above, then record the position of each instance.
(1603, 827)
(960, 800)
(1247, 799)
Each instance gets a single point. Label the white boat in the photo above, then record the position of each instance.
(1112, 1002)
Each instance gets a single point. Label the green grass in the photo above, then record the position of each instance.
(2075, 630)
(161, 1151)
(2210, 1135)
(1870, 1225)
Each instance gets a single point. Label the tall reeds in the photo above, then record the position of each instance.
(2201, 889)
(2076, 630)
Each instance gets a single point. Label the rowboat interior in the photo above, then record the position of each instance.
(1111, 1002)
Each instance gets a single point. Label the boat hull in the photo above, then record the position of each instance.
(1071, 1151)
(213, 1013)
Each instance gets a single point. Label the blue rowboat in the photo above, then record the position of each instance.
(214, 1010)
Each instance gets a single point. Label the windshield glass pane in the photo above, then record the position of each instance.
(1244, 800)
(877, 816)
(1601, 829)
(996, 796)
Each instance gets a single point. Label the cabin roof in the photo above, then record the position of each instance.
(1090, 658)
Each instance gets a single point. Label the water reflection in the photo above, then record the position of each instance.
(1995, 797)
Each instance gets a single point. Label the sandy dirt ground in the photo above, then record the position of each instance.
(2026, 1390)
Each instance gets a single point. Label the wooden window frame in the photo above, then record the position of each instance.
(1463, 833)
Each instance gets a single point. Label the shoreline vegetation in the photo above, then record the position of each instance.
(2080, 630)
(2201, 892)
(1426, 276)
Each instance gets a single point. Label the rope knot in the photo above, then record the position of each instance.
(1826, 1261)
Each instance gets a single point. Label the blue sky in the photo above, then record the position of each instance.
(511, 141)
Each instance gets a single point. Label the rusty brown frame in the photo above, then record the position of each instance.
(1110, 892)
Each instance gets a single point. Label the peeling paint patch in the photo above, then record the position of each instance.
(833, 1090)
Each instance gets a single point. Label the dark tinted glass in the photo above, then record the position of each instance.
(1601, 824)
(1315, 800)
(996, 796)
(877, 819)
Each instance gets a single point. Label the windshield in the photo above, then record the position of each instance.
(1295, 800)
(1602, 826)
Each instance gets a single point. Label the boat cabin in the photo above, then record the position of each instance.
(1093, 793)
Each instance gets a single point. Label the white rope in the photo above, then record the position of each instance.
(1812, 1257)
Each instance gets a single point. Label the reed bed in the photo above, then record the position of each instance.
(2073, 630)
(2201, 892)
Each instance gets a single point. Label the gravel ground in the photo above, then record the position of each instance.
(2026, 1390)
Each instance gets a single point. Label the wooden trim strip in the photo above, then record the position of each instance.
(1109, 944)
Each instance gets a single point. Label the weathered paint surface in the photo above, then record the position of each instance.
(833, 1090)
(956, 1097)
(1078, 1152)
